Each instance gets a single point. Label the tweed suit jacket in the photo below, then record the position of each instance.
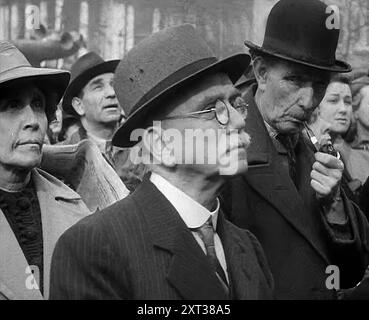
(288, 221)
(140, 248)
(60, 208)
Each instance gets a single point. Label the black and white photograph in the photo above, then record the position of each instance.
(198, 150)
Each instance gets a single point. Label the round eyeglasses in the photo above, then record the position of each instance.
(219, 110)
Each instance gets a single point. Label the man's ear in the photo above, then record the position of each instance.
(261, 72)
(318, 111)
(153, 141)
(78, 106)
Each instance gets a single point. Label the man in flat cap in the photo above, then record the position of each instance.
(315, 239)
(168, 239)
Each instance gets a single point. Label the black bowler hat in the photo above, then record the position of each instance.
(300, 31)
(83, 70)
(158, 65)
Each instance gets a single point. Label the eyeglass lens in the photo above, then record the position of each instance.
(221, 112)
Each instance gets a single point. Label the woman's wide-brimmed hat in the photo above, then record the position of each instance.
(159, 65)
(15, 67)
(83, 70)
(305, 32)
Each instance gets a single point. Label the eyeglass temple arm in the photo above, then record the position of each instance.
(190, 114)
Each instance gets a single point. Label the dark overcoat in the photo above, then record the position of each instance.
(289, 222)
(140, 248)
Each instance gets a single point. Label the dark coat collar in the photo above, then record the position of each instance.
(267, 177)
(258, 154)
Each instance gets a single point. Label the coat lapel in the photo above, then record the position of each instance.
(241, 271)
(189, 272)
(13, 266)
(271, 181)
(60, 208)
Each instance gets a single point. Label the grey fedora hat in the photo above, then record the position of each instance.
(160, 64)
(15, 67)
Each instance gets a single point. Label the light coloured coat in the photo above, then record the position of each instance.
(60, 208)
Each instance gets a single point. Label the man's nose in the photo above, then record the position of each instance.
(307, 97)
(236, 119)
(109, 92)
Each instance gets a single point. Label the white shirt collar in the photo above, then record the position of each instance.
(192, 213)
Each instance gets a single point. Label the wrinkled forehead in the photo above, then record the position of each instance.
(101, 78)
(296, 69)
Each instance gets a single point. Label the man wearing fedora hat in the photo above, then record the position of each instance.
(168, 239)
(90, 97)
(35, 207)
(291, 197)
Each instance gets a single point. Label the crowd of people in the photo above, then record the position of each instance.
(89, 209)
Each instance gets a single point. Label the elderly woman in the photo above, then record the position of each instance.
(35, 207)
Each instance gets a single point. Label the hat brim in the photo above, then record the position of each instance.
(244, 82)
(50, 81)
(339, 66)
(233, 66)
(79, 82)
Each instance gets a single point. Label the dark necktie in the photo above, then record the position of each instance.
(206, 233)
(286, 141)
